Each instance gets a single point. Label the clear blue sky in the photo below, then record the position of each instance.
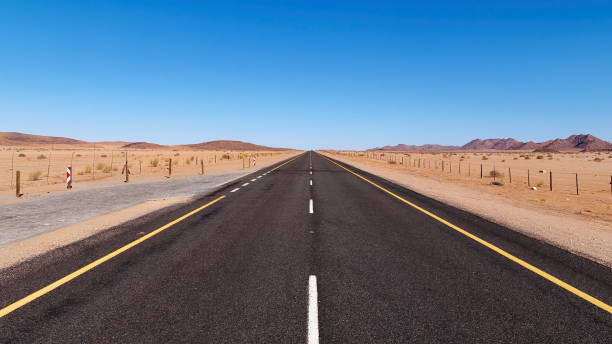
(308, 74)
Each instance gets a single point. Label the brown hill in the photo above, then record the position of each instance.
(413, 148)
(143, 145)
(228, 145)
(19, 139)
(582, 142)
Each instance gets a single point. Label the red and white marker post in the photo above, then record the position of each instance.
(254, 160)
(69, 177)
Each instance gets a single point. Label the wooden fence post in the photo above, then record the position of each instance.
(576, 184)
(18, 183)
(202, 166)
(169, 167)
(550, 180)
(127, 170)
(480, 171)
(528, 178)
(510, 175)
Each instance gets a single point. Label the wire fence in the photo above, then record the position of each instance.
(505, 171)
(40, 167)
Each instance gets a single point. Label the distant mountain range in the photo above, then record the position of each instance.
(582, 142)
(20, 139)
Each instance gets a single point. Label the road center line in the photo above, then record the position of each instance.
(313, 311)
(606, 307)
(245, 184)
(35, 295)
(311, 209)
(311, 182)
(236, 189)
(253, 180)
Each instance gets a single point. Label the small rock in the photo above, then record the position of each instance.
(534, 188)
(497, 183)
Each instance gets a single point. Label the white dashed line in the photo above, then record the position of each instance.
(258, 177)
(236, 189)
(311, 182)
(313, 311)
(310, 172)
(311, 209)
(245, 184)
(253, 180)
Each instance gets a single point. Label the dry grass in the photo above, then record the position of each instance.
(34, 175)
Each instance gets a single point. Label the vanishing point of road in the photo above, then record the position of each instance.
(311, 250)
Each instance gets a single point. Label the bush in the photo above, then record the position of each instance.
(40, 157)
(540, 184)
(539, 157)
(226, 156)
(100, 166)
(177, 154)
(78, 155)
(392, 162)
(598, 159)
(21, 155)
(106, 169)
(154, 162)
(484, 158)
(496, 174)
(527, 157)
(103, 155)
(34, 175)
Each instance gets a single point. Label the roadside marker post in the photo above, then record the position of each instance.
(18, 183)
(254, 160)
(202, 166)
(69, 177)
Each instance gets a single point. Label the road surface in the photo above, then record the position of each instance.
(313, 251)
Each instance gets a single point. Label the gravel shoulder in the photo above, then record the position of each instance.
(37, 225)
(587, 237)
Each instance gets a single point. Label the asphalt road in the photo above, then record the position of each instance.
(238, 271)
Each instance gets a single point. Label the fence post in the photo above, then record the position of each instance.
(127, 170)
(18, 183)
(550, 181)
(202, 165)
(576, 184)
(528, 179)
(510, 175)
(494, 172)
(169, 167)
(480, 171)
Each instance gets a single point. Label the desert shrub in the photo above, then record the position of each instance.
(598, 159)
(154, 162)
(225, 156)
(34, 175)
(115, 169)
(484, 158)
(103, 155)
(100, 166)
(192, 158)
(106, 169)
(78, 155)
(177, 154)
(187, 162)
(539, 157)
(527, 157)
(87, 169)
(21, 155)
(504, 160)
(515, 158)
(540, 184)
(496, 174)
(41, 156)
(392, 162)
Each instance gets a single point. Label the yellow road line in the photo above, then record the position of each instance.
(22, 302)
(513, 258)
(283, 164)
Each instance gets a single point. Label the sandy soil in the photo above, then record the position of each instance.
(555, 217)
(106, 164)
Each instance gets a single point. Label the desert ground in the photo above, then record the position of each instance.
(43, 169)
(527, 170)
